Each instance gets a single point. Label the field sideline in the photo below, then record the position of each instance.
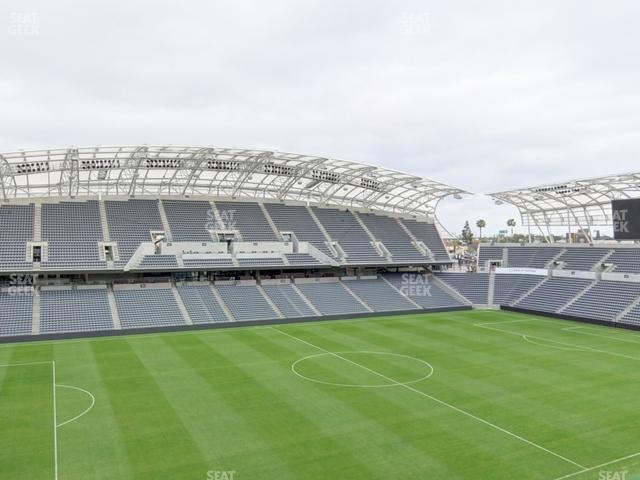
(472, 394)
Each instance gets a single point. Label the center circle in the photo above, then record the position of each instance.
(358, 359)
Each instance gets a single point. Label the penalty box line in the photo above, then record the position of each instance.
(437, 400)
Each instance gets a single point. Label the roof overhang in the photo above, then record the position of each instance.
(583, 203)
(154, 170)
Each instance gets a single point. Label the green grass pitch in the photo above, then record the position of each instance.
(472, 395)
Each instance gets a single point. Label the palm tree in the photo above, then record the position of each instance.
(481, 224)
(511, 223)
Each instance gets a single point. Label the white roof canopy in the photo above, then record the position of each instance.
(152, 170)
(581, 203)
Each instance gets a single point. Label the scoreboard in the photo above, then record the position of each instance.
(626, 219)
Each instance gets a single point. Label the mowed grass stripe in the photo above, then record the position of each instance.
(158, 444)
(496, 440)
(26, 415)
(392, 431)
(294, 435)
(513, 392)
(367, 423)
(94, 445)
(27, 422)
(192, 383)
(433, 432)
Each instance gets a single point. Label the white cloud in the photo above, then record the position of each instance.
(485, 96)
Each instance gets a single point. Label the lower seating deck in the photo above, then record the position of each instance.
(98, 308)
(62, 310)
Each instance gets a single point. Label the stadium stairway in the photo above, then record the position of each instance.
(114, 309)
(627, 310)
(37, 223)
(491, 290)
(391, 285)
(306, 300)
(577, 297)
(181, 306)
(103, 221)
(449, 289)
(225, 308)
(364, 304)
(165, 222)
(328, 240)
(270, 221)
(35, 309)
(269, 301)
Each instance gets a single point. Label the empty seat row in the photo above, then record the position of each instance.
(379, 295)
(508, 288)
(421, 289)
(146, 307)
(331, 298)
(396, 240)
(201, 304)
(553, 293)
(246, 302)
(344, 228)
(288, 301)
(75, 310)
(473, 286)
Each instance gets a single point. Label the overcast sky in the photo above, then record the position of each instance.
(482, 95)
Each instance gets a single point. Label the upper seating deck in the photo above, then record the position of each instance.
(297, 219)
(248, 219)
(531, 257)
(130, 223)
(72, 222)
(16, 223)
(78, 235)
(428, 234)
(343, 227)
(395, 239)
(189, 220)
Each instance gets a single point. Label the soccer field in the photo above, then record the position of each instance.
(474, 394)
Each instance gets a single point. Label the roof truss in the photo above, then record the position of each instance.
(140, 170)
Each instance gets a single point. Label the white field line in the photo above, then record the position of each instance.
(582, 332)
(598, 466)
(579, 347)
(437, 400)
(55, 422)
(93, 402)
(25, 364)
(572, 349)
(506, 321)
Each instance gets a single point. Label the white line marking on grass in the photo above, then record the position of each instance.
(55, 422)
(582, 332)
(355, 385)
(506, 321)
(585, 470)
(26, 364)
(568, 329)
(581, 347)
(574, 349)
(437, 400)
(93, 402)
